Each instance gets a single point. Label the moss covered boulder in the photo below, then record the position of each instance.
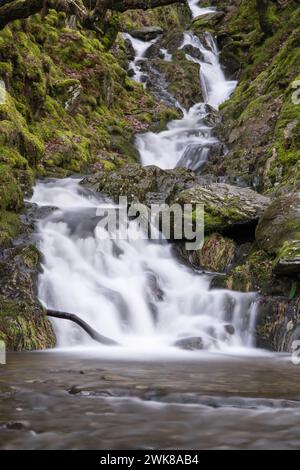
(148, 184)
(216, 254)
(278, 233)
(226, 208)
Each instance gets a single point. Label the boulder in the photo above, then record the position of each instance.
(216, 255)
(190, 344)
(209, 20)
(226, 208)
(277, 323)
(147, 185)
(278, 233)
(147, 33)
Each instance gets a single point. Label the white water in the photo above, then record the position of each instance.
(140, 48)
(197, 10)
(167, 149)
(135, 291)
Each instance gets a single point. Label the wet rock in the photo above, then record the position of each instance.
(229, 329)
(208, 20)
(278, 323)
(131, 73)
(142, 184)
(278, 233)
(183, 78)
(147, 33)
(190, 344)
(130, 52)
(16, 425)
(226, 208)
(193, 51)
(216, 255)
(23, 322)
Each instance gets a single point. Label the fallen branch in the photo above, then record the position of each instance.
(87, 328)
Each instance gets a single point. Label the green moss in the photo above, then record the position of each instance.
(11, 196)
(9, 227)
(169, 17)
(24, 327)
(255, 274)
(260, 120)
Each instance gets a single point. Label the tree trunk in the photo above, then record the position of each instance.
(87, 328)
(265, 24)
(88, 11)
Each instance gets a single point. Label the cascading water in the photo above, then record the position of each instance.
(187, 141)
(140, 48)
(134, 290)
(197, 10)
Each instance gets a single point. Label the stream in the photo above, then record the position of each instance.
(147, 393)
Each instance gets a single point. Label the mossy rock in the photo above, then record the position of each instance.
(226, 207)
(147, 185)
(216, 254)
(278, 233)
(23, 321)
(24, 326)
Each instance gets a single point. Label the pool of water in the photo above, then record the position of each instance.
(56, 400)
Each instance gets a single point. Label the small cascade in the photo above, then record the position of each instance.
(196, 10)
(140, 48)
(187, 141)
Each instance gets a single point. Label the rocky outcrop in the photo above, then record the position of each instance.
(142, 184)
(261, 121)
(278, 233)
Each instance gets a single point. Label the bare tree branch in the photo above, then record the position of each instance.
(87, 328)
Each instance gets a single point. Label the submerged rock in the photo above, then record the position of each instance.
(190, 344)
(278, 233)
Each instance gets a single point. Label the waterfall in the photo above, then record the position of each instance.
(168, 148)
(197, 10)
(136, 291)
